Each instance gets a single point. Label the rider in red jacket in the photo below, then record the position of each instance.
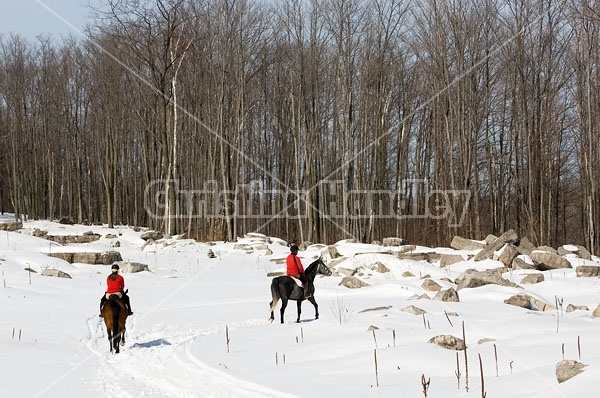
(295, 268)
(115, 284)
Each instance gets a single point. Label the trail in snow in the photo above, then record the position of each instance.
(161, 364)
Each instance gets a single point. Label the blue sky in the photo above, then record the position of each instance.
(30, 18)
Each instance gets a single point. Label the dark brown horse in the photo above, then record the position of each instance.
(285, 288)
(115, 313)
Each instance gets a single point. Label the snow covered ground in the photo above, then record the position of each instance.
(53, 344)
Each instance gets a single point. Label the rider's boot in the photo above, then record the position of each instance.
(306, 290)
(102, 301)
(127, 304)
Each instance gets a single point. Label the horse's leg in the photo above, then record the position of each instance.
(116, 332)
(275, 299)
(110, 340)
(272, 306)
(312, 300)
(299, 305)
(284, 302)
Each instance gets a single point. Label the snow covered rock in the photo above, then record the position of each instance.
(545, 261)
(431, 286)
(509, 236)
(533, 279)
(571, 308)
(10, 226)
(449, 342)
(589, 271)
(352, 282)
(472, 278)
(448, 295)
(55, 273)
(522, 263)
(509, 252)
(151, 235)
(394, 242)
(96, 258)
(528, 302)
(411, 309)
(519, 300)
(460, 243)
(131, 267)
(568, 369)
(449, 259)
(381, 268)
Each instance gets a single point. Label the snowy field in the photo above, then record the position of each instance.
(53, 343)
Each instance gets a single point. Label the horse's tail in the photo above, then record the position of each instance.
(116, 309)
(275, 296)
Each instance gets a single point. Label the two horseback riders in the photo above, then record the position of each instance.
(115, 285)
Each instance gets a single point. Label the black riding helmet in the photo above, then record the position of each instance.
(115, 267)
(294, 249)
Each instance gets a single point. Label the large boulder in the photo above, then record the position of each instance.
(152, 235)
(11, 226)
(96, 258)
(520, 300)
(449, 259)
(546, 249)
(533, 278)
(509, 236)
(509, 252)
(332, 252)
(460, 243)
(526, 244)
(472, 278)
(86, 237)
(395, 242)
(522, 263)
(430, 257)
(545, 261)
(589, 271)
(528, 302)
(572, 307)
(576, 250)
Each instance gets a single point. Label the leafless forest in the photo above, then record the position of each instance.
(207, 117)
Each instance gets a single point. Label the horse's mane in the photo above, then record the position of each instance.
(312, 267)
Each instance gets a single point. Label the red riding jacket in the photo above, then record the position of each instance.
(114, 286)
(294, 265)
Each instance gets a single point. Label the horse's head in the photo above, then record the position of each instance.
(322, 268)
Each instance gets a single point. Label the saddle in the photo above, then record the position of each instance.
(297, 280)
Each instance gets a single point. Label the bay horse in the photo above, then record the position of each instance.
(115, 314)
(285, 288)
